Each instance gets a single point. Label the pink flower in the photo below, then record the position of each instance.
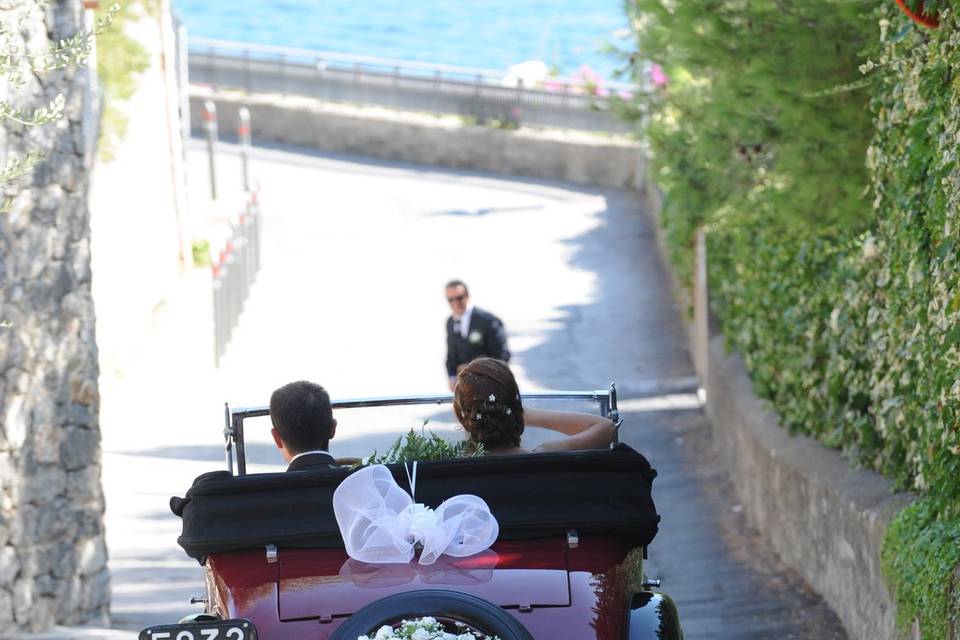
(590, 80)
(657, 76)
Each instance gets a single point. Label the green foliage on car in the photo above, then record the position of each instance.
(423, 446)
(817, 144)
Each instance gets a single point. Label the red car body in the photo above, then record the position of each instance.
(555, 591)
(568, 562)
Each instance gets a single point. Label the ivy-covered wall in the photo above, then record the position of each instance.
(909, 305)
(817, 142)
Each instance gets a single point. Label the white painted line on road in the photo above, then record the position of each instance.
(661, 403)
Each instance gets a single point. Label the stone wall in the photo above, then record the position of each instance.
(52, 552)
(444, 141)
(823, 518)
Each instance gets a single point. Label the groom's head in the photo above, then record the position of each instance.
(302, 418)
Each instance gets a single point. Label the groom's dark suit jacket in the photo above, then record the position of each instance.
(313, 461)
(487, 337)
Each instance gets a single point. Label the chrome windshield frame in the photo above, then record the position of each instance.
(233, 434)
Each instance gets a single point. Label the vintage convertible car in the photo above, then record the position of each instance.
(568, 562)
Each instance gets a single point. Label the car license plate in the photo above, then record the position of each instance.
(213, 630)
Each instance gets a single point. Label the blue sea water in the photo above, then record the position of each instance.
(492, 34)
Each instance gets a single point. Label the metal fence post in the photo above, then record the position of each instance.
(234, 273)
(210, 126)
(231, 277)
(246, 71)
(356, 77)
(321, 66)
(396, 86)
(517, 111)
(255, 214)
(479, 112)
(248, 258)
(243, 132)
(217, 313)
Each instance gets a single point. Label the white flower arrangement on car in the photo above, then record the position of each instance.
(425, 628)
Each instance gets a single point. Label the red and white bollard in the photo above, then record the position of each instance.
(210, 128)
(243, 133)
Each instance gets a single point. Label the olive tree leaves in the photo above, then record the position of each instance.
(18, 65)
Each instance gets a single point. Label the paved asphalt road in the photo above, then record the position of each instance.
(351, 295)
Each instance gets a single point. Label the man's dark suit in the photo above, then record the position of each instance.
(313, 461)
(487, 337)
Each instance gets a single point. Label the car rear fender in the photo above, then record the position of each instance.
(653, 616)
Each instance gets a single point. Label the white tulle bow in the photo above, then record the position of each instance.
(380, 523)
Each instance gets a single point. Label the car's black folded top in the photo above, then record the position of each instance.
(532, 496)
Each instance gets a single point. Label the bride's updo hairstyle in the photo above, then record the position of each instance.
(486, 401)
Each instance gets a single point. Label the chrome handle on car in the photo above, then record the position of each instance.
(228, 436)
(614, 415)
(650, 583)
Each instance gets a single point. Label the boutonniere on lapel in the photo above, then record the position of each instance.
(475, 337)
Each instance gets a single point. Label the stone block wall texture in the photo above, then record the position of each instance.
(52, 554)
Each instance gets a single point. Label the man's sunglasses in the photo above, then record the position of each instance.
(457, 299)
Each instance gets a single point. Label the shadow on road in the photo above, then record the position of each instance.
(631, 331)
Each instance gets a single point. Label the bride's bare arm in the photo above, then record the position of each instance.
(584, 430)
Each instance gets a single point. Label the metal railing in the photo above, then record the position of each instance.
(483, 95)
(234, 272)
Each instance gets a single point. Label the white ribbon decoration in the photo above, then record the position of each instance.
(380, 523)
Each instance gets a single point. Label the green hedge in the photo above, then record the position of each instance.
(833, 242)
(756, 117)
(910, 295)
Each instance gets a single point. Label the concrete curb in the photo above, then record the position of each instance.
(824, 518)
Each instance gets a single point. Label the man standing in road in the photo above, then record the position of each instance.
(471, 332)
(303, 425)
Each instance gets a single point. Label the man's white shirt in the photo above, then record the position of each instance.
(465, 321)
(307, 453)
